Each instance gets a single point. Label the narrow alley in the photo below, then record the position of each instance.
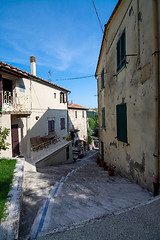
(69, 196)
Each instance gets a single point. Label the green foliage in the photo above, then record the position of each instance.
(3, 136)
(90, 131)
(91, 123)
(90, 114)
(90, 139)
(6, 175)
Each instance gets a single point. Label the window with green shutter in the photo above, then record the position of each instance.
(102, 79)
(121, 51)
(103, 118)
(121, 110)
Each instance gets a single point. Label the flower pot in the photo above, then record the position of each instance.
(110, 172)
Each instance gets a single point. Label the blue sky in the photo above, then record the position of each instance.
(63, 35)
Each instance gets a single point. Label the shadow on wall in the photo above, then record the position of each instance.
(42, 122)
(71, 126)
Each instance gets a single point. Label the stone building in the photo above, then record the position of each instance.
(78, 120)
(128, 91)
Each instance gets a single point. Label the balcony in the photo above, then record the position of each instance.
(14, 103)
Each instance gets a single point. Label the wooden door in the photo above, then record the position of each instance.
(15, 140)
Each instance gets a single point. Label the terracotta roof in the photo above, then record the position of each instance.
(76, 106)
(106, 25)
(18, 72)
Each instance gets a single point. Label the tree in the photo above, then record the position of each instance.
(91, 123)
(3, 136)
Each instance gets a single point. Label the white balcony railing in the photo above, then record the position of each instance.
(16, 103)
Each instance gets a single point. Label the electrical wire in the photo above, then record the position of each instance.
(74, 78)
(78, 78)
(97, 16)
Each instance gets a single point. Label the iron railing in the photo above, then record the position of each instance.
(14, 102)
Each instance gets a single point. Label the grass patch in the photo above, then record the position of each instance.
(6, 175)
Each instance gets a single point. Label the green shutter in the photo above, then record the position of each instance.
(122, 122)
(102, 79)
(103, 117)
(121, 51)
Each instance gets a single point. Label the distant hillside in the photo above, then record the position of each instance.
(92, 112)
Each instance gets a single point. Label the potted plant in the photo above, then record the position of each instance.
(111, 169)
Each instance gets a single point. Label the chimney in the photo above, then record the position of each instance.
(33, 65)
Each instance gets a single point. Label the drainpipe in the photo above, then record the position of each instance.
(138, 36)
(157, 94)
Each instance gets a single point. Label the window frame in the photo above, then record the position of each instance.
(83, 114)
(62, 123)
(75, 114)
(63, 97)
(51, 125)
(121, 57)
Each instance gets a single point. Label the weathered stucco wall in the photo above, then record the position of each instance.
(133, 85)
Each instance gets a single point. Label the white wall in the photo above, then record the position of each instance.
(79, 123)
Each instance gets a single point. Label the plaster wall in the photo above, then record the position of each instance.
(40, 127)
(58, 157)
(45, 107)
(134, 86)
(44, 104)
(79, 123)
(43, 97)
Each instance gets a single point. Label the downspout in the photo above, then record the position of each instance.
(157, 94)
(138, 36)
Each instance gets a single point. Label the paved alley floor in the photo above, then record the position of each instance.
(69, 196)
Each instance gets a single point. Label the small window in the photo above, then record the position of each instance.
(102, 79)
(121, 110)
(55, 95)
(62, 123)
(63, 97)
(51, 126)
(103, 118)
(75, 114)
(121, 51)
(82, 114)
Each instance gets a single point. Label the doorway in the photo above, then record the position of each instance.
(15, 140)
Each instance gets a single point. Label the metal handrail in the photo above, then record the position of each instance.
(12, 102)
